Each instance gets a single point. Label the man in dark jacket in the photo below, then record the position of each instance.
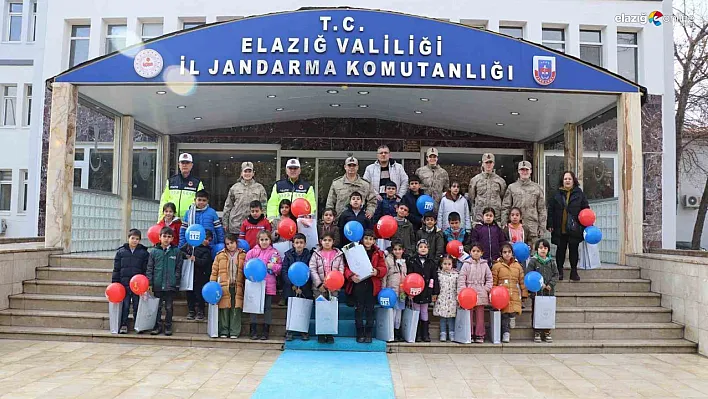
(164, 272)
(433, 235)
(131, 259)
(298, 253)
(411, 200)
(353, 212)
(201, 256)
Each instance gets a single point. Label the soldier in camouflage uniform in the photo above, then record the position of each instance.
(343, 187)
(487, 190)
(527, 196)
(433, 178)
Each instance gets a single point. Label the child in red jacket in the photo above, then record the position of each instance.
(365, 291)
(170, 220)
(254, 224)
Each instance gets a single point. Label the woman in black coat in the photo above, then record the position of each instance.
(566, 231)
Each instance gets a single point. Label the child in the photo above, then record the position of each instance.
(489, 236)
(405, 232)
(446, 305)
(453, 201)
(515, 231)
(353, 212)
(387, 205)
(365, 291)
(130, 259)
(164, 271)
(201, 213)
(431, 233)
(298, 253)
(254, 224)
(410, 198)
(269, 255)
(201, 256)
(325, 259)
(227, 270)
(169, 219)
(475, 274)
(395, 273)
(542, 262)
(427, 268)
(455, 232)
(284, 210)
(328, 224)
(509, 273)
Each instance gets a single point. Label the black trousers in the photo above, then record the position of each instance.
(365, 301)
(166, 297)
(195, 301)
(564, 243)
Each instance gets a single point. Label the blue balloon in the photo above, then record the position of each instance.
(212, 292)
(243, 244)
(592, 235)
(533, 281)
(521, 251)
(216, 249)
(425, 203)
(387, 298)
(255, 270)
(298, 273)
(354, 231)
(195, 235)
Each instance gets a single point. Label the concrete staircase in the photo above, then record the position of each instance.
(611, 310)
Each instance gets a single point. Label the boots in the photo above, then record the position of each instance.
(574, 276)
(419, 333)
(397, 335)
(368, 339)
(360, 335)
(254, 331)
(266, 332)
(426, 331)
(560, 272)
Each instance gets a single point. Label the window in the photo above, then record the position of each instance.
(554, 38)
(27, 118)
(591, 46)
(190, 25)
(79, 48)
(9, 104)
(14, 22)
(627, 50)
(5, 189)
(115, 38)
(33, 23)
(151, 31)
(24, 188)
(513, 31)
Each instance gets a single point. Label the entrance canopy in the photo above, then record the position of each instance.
(346, 63)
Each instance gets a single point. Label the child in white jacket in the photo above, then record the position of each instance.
(453, 201)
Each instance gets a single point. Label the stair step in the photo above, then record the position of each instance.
(606, 272)
(64, 287)
(74, 274)
(82, 261)
(604, 285)
(600, 299)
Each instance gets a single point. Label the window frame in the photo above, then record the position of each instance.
(636, 52)
(22, 194)
(9, 17)
(4, 182)
(587, 155)
(73, 39)
(3, 106)
(110, 38)
(599, 44)
(145, 37)
(193, 24)
(512, 27)
(32, 31)
(27, 106)
(562, 42)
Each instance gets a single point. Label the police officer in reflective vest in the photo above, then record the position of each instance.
(181, 188)
(291, 188)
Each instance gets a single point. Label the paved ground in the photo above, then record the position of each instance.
(35, 369)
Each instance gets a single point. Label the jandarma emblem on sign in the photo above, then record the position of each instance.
(544, 70)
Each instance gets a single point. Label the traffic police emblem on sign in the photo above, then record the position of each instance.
(148, 63)
(544, 70)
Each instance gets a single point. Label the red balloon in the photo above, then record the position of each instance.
(139, 284)
(300, 207)
(454, 248)
(334, 280)
(287, 228)
(387, 226)
(587, 217)
(154, 234)
(467, 298)
(499, 297)
(376, 231)
(115, 292)
(413, 284)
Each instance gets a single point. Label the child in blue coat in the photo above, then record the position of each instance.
(201, 213)
(387, 206)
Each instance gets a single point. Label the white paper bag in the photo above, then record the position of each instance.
(544, 312)
(463, 326)
(495, 326)
(299, 313)
(187, 281)
(384, 324)
(283, 247)
(147, 312)
(254, 297)
(383, 244)
(114, 313)
(326, 316)
(589, 256)
(310, 232)
(409, 324)
(357, 260)
(213, 321)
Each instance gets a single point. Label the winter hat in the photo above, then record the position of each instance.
(421, 241)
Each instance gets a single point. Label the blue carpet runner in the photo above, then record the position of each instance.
(324, 374)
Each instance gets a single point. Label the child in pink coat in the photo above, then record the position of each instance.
(270, 256)
(475, 274)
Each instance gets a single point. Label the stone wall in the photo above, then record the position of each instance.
(17, 266)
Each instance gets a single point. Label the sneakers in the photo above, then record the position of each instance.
(505, 337)
(254, 331)
(479, 340)
(123, 330)
(537, 338)
(190, 315)
(321, 339)
(512, 322)
(288, 336)
(223, 336)
(168, 331)
(443, 336)
(200, 315)
(452, 336)
(233, 336)
(305, 336)
(549, 339)
(156, 331)
(330, 339)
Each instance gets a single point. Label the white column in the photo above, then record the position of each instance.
(132, 31)
(493, 25)
(26, 15)
(96, 38)
(668, 163)
(609, 49)
(572, 42)
(533, 31)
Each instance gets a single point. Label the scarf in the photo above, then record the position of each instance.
(540, 259)
(564, 219)
(233, 268)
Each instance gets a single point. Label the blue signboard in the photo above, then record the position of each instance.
(347, 47)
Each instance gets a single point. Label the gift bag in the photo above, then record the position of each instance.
(310, 232)
(409, 324)
(589, 256)
(463, 326)
(544, 312)
(326, 316)
(283, 247)
(299, 313)
(213, 321)
(384, 324)
(114, 313)
(383, 244)
(495, 326)
(358, 261)
(254, 297)
(147, 312)
(187, 281)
